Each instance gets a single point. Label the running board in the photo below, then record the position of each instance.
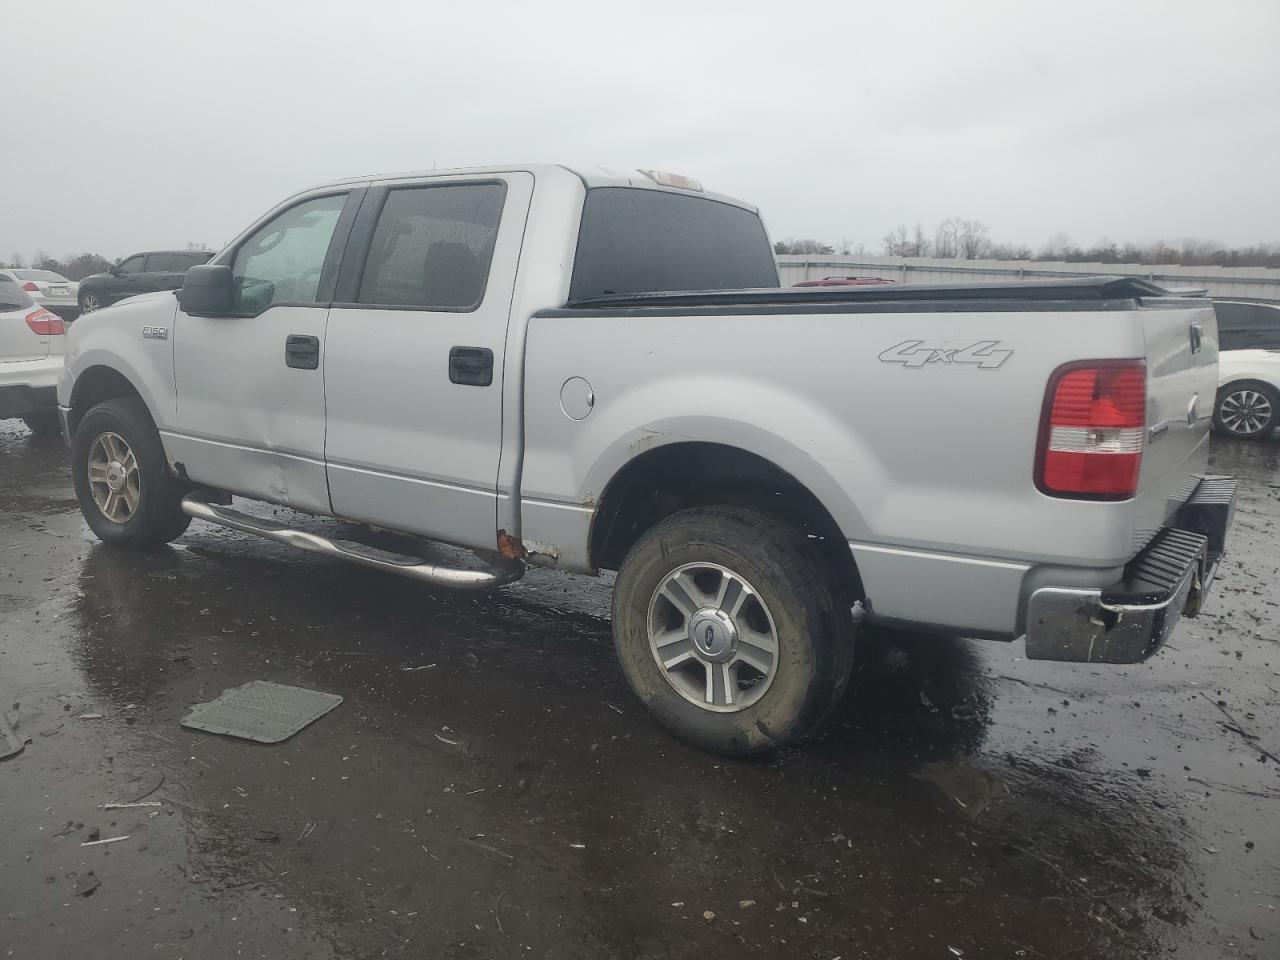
(456, 578)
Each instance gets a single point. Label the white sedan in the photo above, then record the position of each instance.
(50, 290)
(1248, 403)
(31, 351)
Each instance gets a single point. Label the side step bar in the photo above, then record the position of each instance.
(455, 578)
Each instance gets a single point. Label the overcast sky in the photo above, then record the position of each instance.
(137, 125)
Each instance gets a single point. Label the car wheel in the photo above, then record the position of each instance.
(122, 481)
(1247, 409)
(43, 423)
(729, 630)
(89, 302)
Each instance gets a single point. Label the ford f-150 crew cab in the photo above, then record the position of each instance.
(596, 370)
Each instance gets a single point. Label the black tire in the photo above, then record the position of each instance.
(1222, 423)
(815, 630)
(43, 423)
(158, 518)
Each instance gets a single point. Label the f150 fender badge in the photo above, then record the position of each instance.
(155, 333)
(984, 354)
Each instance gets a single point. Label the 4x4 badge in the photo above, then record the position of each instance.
(918, 353)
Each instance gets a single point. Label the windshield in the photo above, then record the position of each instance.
(635, 240)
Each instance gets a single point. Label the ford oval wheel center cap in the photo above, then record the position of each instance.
(713, 634)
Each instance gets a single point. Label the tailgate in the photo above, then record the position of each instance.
(1182, 382)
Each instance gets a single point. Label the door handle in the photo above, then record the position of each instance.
(471, 366)
(1197, 336)
(301, 352)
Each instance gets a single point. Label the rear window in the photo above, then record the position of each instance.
(649, 241)
(46, 275)
(1248, 326)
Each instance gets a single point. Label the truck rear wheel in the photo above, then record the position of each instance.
(121, 478)
(729, 630)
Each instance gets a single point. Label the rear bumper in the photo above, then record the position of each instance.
(19, 399)
(1130, 620)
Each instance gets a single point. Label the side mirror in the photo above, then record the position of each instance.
(208, 290)
(114, 269)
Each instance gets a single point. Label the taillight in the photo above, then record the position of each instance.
(30, 287)
(1092, 430)
(45, 324)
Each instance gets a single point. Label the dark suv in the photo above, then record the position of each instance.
(139, 273)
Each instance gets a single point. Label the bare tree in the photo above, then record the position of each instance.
(16, 261)
(946, 240)
(1056, 247)
(974, 241)
(919, 243)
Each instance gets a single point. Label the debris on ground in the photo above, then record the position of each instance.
(10, 743)
(262, 711)
(135, 803)
(709, 916)
(98, 843)
(86, 884)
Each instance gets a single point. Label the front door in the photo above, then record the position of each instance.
(251, 405)
(128, 280)
(414, 360)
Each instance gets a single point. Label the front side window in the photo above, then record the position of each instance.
(283, 260)
(135, 264)
(432, 246)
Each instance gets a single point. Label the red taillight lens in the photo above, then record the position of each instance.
(30, 287)
(45, 324)
(1094, 427)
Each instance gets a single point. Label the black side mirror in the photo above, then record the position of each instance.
(208, 290)
(114, 269)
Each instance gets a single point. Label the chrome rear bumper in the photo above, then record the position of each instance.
(1129, 621)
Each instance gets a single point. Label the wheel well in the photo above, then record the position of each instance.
(95, 385)
(677, 476)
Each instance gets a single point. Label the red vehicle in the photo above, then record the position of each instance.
(841, 282)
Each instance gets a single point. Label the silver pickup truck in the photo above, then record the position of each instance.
(595, 369)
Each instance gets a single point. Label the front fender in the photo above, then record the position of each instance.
(113, 338)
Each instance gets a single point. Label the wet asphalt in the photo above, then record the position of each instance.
(489, 788)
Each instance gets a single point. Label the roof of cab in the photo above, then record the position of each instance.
(591, 176)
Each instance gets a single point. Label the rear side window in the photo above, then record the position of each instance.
(432, 247)
(648, 241)
(165, 262)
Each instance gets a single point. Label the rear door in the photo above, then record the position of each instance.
(414, 356)
(166, 270)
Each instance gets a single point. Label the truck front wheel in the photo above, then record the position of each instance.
(121, 478)
(729, 630)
